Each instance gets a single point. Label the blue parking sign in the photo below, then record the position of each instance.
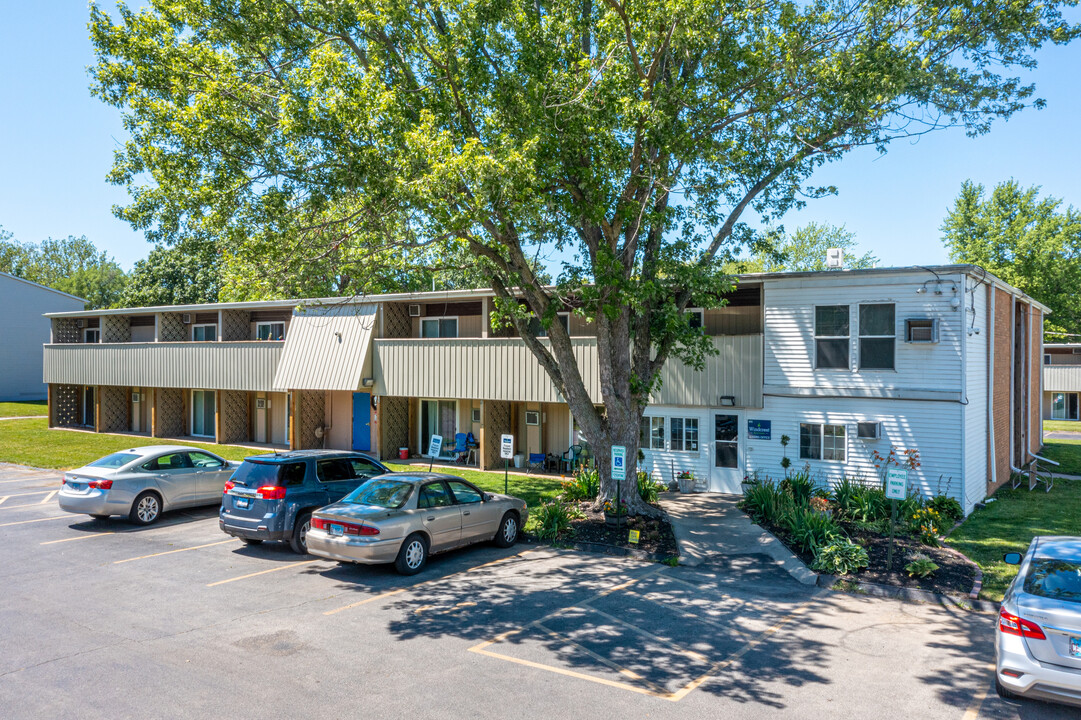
(619, 462)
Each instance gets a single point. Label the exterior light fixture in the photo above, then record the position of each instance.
(728, 400)
(368, 382)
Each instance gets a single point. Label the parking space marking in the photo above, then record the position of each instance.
(657, 689)
(25, 494)
(644, 633)
(367, 600)
(695, 616)
(23, 522)
(170, 552)
(261, 572)
(22, 480)
(976, 706)
(24, 505)
(5, 497)
(79, 537)
(48, 497)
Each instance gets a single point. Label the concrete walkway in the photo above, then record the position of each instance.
(710, 526)
(23, 417)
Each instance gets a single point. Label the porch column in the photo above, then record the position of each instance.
(51, 400)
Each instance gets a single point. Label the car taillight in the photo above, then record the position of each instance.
(101, 484)
(229, 485)
(347, 528)
(271, 492)
(1014, 625)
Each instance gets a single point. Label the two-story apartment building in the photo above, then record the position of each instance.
(843, 363)
(1061, 381)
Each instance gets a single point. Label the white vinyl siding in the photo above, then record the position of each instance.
(975, 431)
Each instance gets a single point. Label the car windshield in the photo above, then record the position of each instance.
(115, 460)
(1054, 578)
(381, 493)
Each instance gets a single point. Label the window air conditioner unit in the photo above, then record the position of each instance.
(532, 417)
(80, 323)
(921, 330)
(135, 397)
(869, 430)
(414, 310)
(835, 258)
(186, 318)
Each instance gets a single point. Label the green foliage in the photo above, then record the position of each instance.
(907, 508)
(1028, 241)
(947, 507)
(805, 250)
(860, 503)
(72, 265)
(800, 486)
(186, 274)
(648, 488)
(583, 486)
(840, 557)
(553, 519)
(809, 530)
(767, 503)
(921, 567)
(926, 524)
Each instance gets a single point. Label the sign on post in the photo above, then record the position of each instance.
(619, 462)
(506, 447)
(896, 483)
(435, 446)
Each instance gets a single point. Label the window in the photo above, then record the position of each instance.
(1064, 406)
(204, 333)
(475, 416)
(270, 331)
(292, 474)
(115, 460)
(175, 461)
(439, 327)
(335, 470)
(539, 330)
(921, 330)
(877, 337)
(434, 495)
(1046, 359)
(684, 434)
(204, 460)
(831, 337)
(203, 410)
(696, 318)
(92, 335)
(821, 442)
(464, 494)
(652, 433)
(365, 468)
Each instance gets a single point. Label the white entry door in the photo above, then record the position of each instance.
(726, 473)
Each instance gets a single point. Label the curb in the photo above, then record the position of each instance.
(911, 595)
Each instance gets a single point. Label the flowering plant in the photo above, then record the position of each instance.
(685, 475)
(820, 504)
(615, 509)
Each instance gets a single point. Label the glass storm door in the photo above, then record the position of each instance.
(725, 473)
(202, 413)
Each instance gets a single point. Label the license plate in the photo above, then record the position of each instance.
(1075, 647)
(335, 529)
(242, 502)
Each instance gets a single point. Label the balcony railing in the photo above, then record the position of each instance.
(208, 366)
(505, 369)
(1062, 378)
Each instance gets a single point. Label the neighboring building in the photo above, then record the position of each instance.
(943, 360)
(1061, 381)
(23, 331)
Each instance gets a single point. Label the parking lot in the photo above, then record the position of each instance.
(105, 619)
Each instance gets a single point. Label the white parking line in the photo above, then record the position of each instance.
(5, 497)
(170, 552)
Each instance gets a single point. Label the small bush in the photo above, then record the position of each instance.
(553, 519)
(926, 524)
(861, 503)
(907, 508)
(648, 488)
(767, 503)
(800, 486)
(840, 557)
(810, 530)
(921, 567)
(819, 504)
(947, 507)
(583, 486)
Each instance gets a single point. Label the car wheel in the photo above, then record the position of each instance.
(100, 517)
(413, 555)
(1003, 692)
(508, 531)
(146, 509)
(299, 541)
(252, 541)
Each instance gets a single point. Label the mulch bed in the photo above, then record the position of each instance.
(655, 534)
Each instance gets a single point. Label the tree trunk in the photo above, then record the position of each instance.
(623, 433)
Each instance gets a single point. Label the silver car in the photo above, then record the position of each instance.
(143, 482)
(1038, 643)
(403, 518)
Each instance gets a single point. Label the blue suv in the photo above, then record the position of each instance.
(271, 497)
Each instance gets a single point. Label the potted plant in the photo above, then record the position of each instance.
(749, 481)
(614, 512)
(685, 478)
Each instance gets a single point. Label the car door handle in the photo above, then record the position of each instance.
(465, 512)
(431, 518)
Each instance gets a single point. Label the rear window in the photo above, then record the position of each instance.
(251, 473)
(1054, 578)
(381, 493)
(115, 460)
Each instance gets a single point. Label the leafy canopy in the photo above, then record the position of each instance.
(72, 265)
(805, 250)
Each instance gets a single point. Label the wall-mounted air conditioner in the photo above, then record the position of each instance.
(186, 318)
(921, 330)
(869, 430)
(135, 397)
(414, 310)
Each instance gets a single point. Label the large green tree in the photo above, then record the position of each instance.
(1029, 241)
(72, 265)
(189, 272)
(632, 138)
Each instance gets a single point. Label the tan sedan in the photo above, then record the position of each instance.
(405, 517)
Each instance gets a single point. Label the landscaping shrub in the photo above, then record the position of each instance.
(583, 486)
(810, 530)
(926, 524)
(554, 519)
(800, 486)
(844, 494)
(840, 557)
(767, 503)
(947, 507)
(861, 503)
(907, 508)
(648, 488)
(921, 567)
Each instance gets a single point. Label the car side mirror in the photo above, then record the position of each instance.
(485, 497)
(1012, 558)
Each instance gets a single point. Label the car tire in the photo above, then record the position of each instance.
(507, 533)
(412, 555)
(146, 509)
(299, 540)
(100, 517)
(1003, 692)
(252, 541)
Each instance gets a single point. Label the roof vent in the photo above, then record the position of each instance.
(835, 258)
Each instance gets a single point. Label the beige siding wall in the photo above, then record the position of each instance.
(557, 428)
(142, 333)
(733, 320)
(469, 326)
(278, 417)
(211, 366)
(339, 420)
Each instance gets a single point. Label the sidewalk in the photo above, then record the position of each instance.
(709, 525)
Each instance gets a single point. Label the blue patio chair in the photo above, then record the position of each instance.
(537, 461)
(461, 448)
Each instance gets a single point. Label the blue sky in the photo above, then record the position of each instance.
(56, 145)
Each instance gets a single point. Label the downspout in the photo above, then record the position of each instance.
(964, 388)
(991, 292)
(1013, 374)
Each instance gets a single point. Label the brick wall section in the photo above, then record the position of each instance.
(65, 400)
(1000, 398)
(66, 330)
(1035, 433)
(235, 325)
(171, 328)
(393, 425)
(309, 413)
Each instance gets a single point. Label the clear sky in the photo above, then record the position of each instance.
(56, 145)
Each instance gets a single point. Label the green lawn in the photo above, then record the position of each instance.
(16, 409)
(1067, 453)
(1010, 523)
(1062, 426)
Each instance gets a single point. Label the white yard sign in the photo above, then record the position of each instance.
(506, 447)
(435, 446)
(896, 483)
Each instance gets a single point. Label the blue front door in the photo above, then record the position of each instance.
(362, 421)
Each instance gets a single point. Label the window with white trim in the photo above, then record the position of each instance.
(696, 318)
(878, 336)
(92, 335)
(204, 333)
(439, 327)
(821, 442)
(831, 337)
(652, 436)
(270, 331)
(683, 433)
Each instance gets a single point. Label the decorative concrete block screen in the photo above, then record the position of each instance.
(235, 325)
(394, 424)
(171, 328)
(169, 407)
(310, 415)
(65, 330)
(233, 407)
(115, 329)
(66, 405)
(396, 323)
(496, 416)
(114, 408)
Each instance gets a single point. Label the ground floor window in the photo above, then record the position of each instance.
(684, 434)
(821, 442)
(202, 413)
(1064, 406)
(438, 417)
(652, 433)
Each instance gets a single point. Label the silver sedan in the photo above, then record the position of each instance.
(403, 518)
(143, 482)
(1038, 643)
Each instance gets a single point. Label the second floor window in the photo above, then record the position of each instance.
(204, 333)
(877, 336)
(439, 327)
(92, 335)
(270, 331)
(831, 337)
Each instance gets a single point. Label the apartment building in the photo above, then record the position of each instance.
(842, 363)
(1061, 381)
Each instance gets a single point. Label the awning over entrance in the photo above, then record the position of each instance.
(327, 348)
